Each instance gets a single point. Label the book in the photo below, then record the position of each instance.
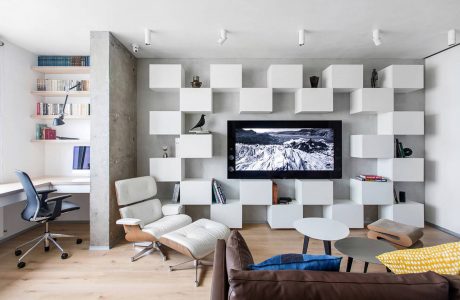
(176, 193)
(275, 193)
(218, 192)
(39, 131)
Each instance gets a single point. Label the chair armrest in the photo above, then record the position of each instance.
(129, 221)
(57, 198)
(42, 192)
(172, 209)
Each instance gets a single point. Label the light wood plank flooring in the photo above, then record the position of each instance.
(111, 274)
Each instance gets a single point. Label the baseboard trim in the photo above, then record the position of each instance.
(443, 229)
(19, 233)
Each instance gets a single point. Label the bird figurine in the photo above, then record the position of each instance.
(200, 123)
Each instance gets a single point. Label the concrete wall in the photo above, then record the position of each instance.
(113, 133)
(226, 108)
(442, 139)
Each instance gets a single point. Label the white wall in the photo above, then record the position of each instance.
(17, 128)
(442, 139)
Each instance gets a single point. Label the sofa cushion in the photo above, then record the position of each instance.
(299, 262)
(319, 285)
(237, 254)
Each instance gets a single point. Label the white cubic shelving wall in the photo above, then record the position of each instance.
(285, 77)
(370, 192)
(401, 123)
(283, 215)
(346, 211)
(230, 214)
(164, 76)
(343, 78)
(256, 100)
(402, 78)
(402, 169)
(409, 213)
(372, 101)
(372, 146)
(195, 192)
(196, 100)
(314, 191)
(256, 192)
(166, 169)
(314, 100)
(196, 145)
(226, 77)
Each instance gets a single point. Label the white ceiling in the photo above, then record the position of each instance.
(257, 28)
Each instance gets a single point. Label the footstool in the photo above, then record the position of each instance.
(196, 240)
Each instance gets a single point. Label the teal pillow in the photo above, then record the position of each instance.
(299, 262)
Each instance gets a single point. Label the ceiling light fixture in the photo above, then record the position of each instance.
(376, 37)
(301, 37)
(451, 37)
(223, 37)
(147, 37)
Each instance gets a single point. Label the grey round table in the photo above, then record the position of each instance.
(323, 229)
(362, 249)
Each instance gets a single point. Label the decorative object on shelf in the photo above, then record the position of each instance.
(394, 232)
(374, 78)
(176, 193)
(60, 120)
(165, 151)
(196, 83)
(275, 193)
(395, 195)
(408, 152)
(200, 124)
(400, 151)
(314, 80)
(285, 200)
(402, 197)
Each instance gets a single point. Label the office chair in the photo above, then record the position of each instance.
(41, 209)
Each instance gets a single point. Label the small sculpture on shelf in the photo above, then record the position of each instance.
(196, 83)
(165, 151)
(314, 80)
(200, 124)
(374, 78)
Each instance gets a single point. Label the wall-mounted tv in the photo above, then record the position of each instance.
(284, 149)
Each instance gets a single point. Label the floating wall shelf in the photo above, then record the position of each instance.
(82, 142)
(313, 100)
(409, 213)
(401, 123)
(61, 70)
(370, 192)
(196, 100)
(402, 78)
(402, 169)
(372, 101)
(284, 215)
(60, 93)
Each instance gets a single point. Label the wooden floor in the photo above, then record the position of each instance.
(111, 274)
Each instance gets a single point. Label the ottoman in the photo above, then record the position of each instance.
(196, 240)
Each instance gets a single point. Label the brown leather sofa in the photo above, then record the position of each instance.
(315, 285)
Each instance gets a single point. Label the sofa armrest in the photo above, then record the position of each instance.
(172, 209)
(129, 221)
(219, 286)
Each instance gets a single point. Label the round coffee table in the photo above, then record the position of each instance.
(362, 249)
(323, 229)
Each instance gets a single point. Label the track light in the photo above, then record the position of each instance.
(147, 37)
(376, 37)
(451, 37)
(223, 37)
(136, 48)
(301, 37)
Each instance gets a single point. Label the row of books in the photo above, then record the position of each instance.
(71, 109)
(43, 132)
(218, 195)
(376, 178)
(66, 61)
(61, 85)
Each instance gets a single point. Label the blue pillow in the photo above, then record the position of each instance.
(299, 262)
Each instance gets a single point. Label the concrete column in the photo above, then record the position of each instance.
(113, 133)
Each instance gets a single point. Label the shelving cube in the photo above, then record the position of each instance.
(371, 192)
(166, 122)
(283, 215)
(403, 78)
(166, 76)
(402, 169)
(401, 123)
(409, 213)
(256, 100)
(196, 100)
(314, 100)
(256, 192)
(195, 192)
(343, 78)
(195, 145)
(226, 76)
(166, 169)
(314, 191)
(285, 77)
(346, 211)
(372, 101)
(372, 146)
(230, 214)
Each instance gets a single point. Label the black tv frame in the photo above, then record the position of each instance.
(335, 125)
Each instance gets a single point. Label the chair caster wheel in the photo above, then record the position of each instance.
(21, 264)
(47, 248)
(17, 252)
(65, 255)
(170, 269)
(79, 241)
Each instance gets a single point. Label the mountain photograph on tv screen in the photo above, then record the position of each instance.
(284, 149)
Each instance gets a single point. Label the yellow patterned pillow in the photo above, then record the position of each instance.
(442, 259)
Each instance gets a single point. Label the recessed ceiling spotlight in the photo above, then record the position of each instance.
(301, 37)
(376, 37)
(223, 37)
(451, 37)
(147, 37)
